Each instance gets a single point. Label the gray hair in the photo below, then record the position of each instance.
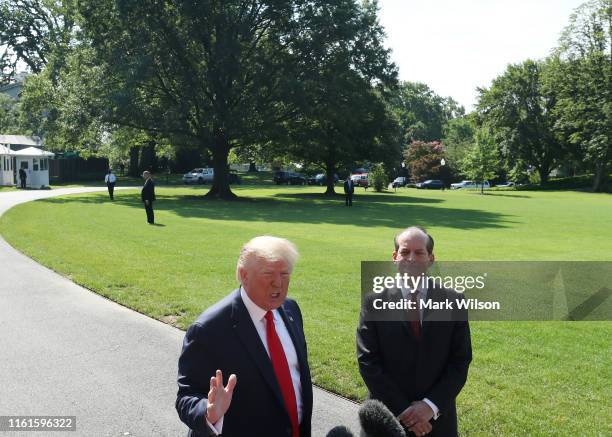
(267, 248)
(412, 230)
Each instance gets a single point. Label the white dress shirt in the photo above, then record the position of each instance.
(258, 317)
(422, 296)
(110, 177)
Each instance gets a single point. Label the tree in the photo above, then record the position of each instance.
(377, 177)
(217, 74)
(9, 116)
(458, 137)
(481, 162)
(35, 32)
(581, 73)
(424, 160)
(64, 108)
(422, 113)
(519, 109)
(342, 116)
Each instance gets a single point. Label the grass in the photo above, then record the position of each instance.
(547, 378)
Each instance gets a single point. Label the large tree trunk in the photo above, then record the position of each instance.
(252, 167)
(543, 172)
(148, 157)
(600, 180)
(330, 172)
(133, 165)
(221, 188)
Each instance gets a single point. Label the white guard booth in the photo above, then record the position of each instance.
(7, 175)
(35, 162)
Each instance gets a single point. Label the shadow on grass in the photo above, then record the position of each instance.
(494, 194)
(312, 208)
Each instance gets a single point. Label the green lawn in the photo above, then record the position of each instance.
(527, 378)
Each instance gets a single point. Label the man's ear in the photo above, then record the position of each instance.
(394, 255)
(432, 258)
(242, 272)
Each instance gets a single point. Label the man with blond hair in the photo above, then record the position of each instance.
(256, 336)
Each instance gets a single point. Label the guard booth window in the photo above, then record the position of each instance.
(35, 164)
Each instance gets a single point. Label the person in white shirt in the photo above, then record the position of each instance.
(110, 179)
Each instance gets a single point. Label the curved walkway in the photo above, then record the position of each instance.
(67, 351)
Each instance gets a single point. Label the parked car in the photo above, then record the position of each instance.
(399, 182)
(360, 180)
(469, 185)
(431, 184)
(289, 178)
(505, 184)
(199, 176)
(321, 179)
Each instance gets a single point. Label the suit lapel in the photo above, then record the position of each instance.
(290, 323)
(243, 325)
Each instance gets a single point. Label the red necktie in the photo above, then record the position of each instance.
(281, 369)
(415, 315)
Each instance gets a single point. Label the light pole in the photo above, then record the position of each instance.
(442, 164)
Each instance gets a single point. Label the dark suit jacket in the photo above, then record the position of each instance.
(349, 187)
(398, 369)
(224, 337)
(148, 191)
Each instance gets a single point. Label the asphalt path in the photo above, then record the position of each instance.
(66, 351)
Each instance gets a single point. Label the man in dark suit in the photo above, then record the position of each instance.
(22, 178)
(147, 195)
(255, 334)
(349, 189)
(416, 361)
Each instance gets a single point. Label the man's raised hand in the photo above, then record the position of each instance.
(219, 397)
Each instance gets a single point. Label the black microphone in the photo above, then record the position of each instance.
(340, 431)
(377, 421)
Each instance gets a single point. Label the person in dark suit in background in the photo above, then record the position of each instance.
(255, 334)
(23, 176)
(414, 364)
(349, 189)
(147, 195)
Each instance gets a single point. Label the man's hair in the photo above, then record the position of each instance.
(267, 248)
(430, 240)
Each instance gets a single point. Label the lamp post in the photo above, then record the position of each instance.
(442, 164)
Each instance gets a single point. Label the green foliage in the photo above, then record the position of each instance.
(458, 137)
(341, 117)
(581, 74)
(519, 109)
(378, 177)
(422, 114)
(481, 162)
(9, 116)
(38, 33)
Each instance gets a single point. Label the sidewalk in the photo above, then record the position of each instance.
(70, 352)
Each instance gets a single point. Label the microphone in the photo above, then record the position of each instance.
(340, 431)
(377, 421)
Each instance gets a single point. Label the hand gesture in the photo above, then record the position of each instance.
(219, 397)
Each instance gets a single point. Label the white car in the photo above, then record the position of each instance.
(469, 185)
(199, 176)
